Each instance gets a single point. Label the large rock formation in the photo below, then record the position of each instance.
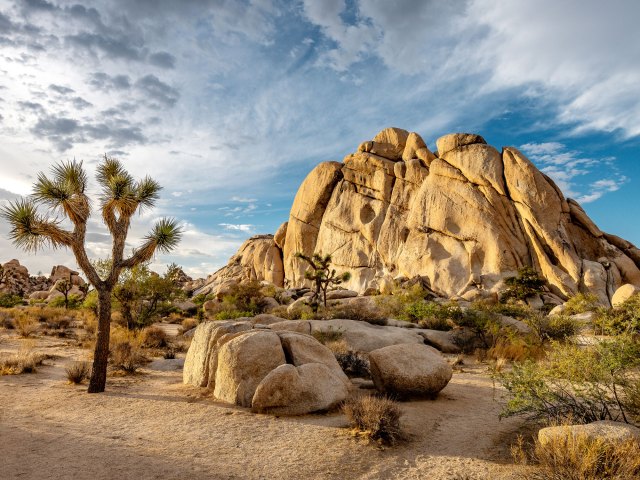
(462, 218)
(259, 258)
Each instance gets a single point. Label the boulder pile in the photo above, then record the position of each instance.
(461, 218)
(279, 372)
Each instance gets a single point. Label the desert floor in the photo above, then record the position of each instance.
(149, 425)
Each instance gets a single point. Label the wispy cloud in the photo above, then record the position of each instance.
(246, 228)
(566, 167)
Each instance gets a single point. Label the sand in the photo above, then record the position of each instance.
(150, 426)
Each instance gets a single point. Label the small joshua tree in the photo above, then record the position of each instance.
(322, 276)
(64, 286)
(121, 197)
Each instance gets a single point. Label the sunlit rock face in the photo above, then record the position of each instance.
(462, 217)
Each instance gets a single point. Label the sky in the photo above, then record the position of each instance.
(229, 104)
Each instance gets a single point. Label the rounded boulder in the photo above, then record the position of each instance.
(409, 370)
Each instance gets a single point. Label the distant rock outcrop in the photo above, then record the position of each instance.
(259, 258)
(14, 279)
(462, 219)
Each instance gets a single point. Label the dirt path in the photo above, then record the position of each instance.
(150, 426)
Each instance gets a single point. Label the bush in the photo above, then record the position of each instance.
(188, 324)
(201, 298)
(374, 417)
(327, 336)
(6, 320)
(8, 300)
(581, 384)
(353, 364)
(556, 327)
(579, 458)
(515, 348)
(431, 313)
(581, 303)
(25, 361)
(622, 319)
(169, 354)
(90, 302)
(153, 337)
(77, 372)
(525, 284)
(246, 298)
(392, 306)
(486, 330)
(74, 302)
(25, 325)
(126, 357)
(509, 308)
(353, 311)
(232, 314)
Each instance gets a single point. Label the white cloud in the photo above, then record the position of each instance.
(246, 228)
(581, 57)
(243, 199)
(566, 167)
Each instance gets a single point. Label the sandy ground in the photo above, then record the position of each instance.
(150, 426)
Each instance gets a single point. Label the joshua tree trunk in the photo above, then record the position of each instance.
(101, 354)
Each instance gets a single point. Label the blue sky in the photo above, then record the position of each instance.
(229, 104)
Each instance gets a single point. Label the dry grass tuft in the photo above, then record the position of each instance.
(77, 372)
(328, 336)
(377, 418)
(126, 357)
(579, 458)
(514, 349)
(25, 361)
(26, 325)
(153, 337)
(188, 324)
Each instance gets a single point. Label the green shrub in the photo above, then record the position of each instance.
(246, 298)
(556, 327)
(581, 303)
(431, 314)
(353, 311)
(232, 314)
(508, 308)
(90, 301)
(577, 383)
(74, 302)
(374, 417)
(483, 325)
(201, 298)
(622, 319)
(525, 284)
(392, 306)
(8, 300)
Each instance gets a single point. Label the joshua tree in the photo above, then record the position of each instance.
(322, 276)
(64, 194)
(64, 286)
